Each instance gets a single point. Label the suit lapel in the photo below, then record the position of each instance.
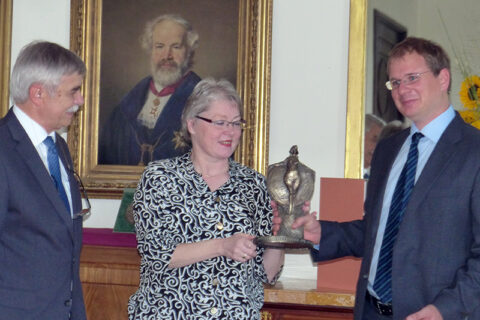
(30, 155)
(438, 161)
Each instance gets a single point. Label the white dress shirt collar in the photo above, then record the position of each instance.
(434, 130)
(35, 132)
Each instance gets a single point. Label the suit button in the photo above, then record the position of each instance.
(220, 226)
(365, 276)
(213, 310)
(217, 199)
(215, 282)
(68, 303)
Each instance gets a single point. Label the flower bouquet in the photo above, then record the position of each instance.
(469, 93)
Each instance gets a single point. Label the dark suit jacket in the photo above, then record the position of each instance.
(39, 242)
(436, 257)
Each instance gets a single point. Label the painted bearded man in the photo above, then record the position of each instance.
(142, 127)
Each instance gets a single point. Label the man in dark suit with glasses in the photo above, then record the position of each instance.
(420, 235)
(40, 201)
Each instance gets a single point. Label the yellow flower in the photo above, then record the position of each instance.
(469, 116)
(476, 124)
(470, 92)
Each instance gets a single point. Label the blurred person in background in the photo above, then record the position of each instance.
(373, 127)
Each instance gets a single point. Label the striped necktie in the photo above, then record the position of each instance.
(383, 279)
(54, 168)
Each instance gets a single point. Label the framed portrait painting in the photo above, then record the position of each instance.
(5, 43)
(126, 122)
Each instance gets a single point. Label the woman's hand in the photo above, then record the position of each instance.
(239, 247)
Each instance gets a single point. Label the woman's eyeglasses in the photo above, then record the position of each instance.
(239, 124)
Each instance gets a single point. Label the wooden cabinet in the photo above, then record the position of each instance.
(275, 311)
(295, 299)
(110, 275)
(106, 301)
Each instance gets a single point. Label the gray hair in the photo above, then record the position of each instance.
(45, 63)
(204, 93)
(390, 129)
(373, 120)
(191, 36)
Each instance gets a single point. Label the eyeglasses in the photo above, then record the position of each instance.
(86, 207)
(239, 124)
(408, 79)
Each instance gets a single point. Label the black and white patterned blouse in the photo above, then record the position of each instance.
(174, 205)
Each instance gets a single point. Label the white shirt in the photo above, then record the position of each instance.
(151, 111)
(37, 135)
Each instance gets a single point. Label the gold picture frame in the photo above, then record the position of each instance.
(355, 89)
(5, 48)
(253, 85)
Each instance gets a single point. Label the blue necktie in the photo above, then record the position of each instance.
(383, 279)
(54, 168)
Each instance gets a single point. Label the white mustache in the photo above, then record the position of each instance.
(73, 109)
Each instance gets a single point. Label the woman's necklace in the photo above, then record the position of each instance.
(207, 176)
(223, 170)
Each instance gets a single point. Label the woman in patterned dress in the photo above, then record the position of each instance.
(196, 217)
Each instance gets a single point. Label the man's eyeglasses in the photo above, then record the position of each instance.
(239, 124)
(408, 79)
(86, 207)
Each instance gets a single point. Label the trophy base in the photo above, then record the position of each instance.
(282, 242)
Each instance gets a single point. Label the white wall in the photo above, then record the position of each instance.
(44, 20)
(462, 21)
(308, 97)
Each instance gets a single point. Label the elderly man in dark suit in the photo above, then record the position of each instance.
(40, 228)
(420, 235)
